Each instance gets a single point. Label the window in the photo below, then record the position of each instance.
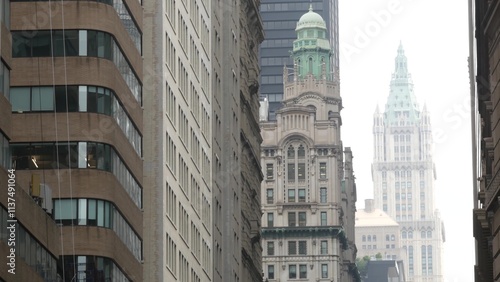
(292, 271)
(301, 171)
(403, 234)
(302, 247)
(302, 271)
(291, 219)
(291, 195)
(324, 271)
(270, 271)
(369, 238)
(270, 248)
(374, 238)
(302, 219)
(363, 238)
(322, 170)
(302, 195)
(270, 196)
(322, 195)
(291, 172)
(269, 171)
(422, 234)
(410, 234)
(323, 218)
(270, 219)
(324, 248)
(292, 247)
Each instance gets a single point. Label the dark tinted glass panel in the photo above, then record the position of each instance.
(41, 44)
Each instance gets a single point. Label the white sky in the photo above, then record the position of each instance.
(434, 34)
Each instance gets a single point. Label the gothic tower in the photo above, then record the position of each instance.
(403, 175)
(309, 194)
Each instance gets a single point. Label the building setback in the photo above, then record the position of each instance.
(71, 125)
(403, 175)
(280, 18)
(485, 94)
(308, 194)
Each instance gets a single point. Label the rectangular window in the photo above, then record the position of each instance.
(322, 195)
(324, 248)
(270, 219)
(302, 195)
(292, 247)
(291, 219)
(302, 247)
(302, 218)
(323, 218)
(302, 171)
(269, 171)
(291, 172)
(324, 271)
(270, 248)
(291, 195)
(270, 196)
(322, 170)
(292, 271)
(302, 271)
(270, 271)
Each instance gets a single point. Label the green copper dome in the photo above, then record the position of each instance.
(311, 19)
(311, 49)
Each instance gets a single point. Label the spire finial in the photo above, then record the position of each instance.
(400, 48)
(310, 7)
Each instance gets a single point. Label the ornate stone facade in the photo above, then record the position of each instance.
(309, 194)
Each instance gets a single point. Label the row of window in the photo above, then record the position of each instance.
(292, 271)
(302, 219)
(297, 248)
(278, 43)
(373, 238)
(91, 268)
(423, 234)
(100, 213)
(91, 43)
(74, 98)
(374, 247)
(299, 197)
(29, 249)
(76, 155)
(291, 6)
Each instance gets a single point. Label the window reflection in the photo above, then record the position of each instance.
(92, 212)
(91, 268)
(73, 98)
(76, 155)
(76, 43)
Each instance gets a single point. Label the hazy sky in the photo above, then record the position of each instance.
(434, 34)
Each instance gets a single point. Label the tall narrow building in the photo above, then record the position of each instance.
(202, 141)
(485, 93)
(279, 18)
(309, 194)
(403, 173)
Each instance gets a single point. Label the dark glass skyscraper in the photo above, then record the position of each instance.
(280, 18)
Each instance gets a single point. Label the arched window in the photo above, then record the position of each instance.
(403, 234)
(429, 234)
(374, 238)
(310, 65)
(410, 234)
(369, 238)
(422, 234)
(363, 238)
